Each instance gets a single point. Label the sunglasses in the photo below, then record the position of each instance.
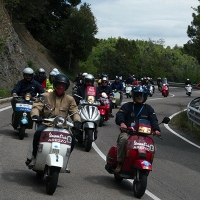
(104, 81)
(28, 75)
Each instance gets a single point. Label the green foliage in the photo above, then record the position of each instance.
(4, 93)
(182, 123)
(192, 47)
(141, 58)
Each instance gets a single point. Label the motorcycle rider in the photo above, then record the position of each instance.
(79, 80)
(105, 88)
(50, 80)
(117, 84)
(129, 115)
(188, 82)
(41, 77)
(129, 80)
(26, 85)
(81, 91)
(55, 103)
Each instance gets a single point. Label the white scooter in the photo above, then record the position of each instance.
(53, 152)
(128, 91)
(115, 99)
(188, 89)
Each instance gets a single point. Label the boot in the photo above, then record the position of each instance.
(118, 168)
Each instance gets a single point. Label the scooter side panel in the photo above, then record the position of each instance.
(111, 157)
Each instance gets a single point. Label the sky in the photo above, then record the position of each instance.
(144, 19)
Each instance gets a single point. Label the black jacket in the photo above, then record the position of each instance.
(127, 115)
(81, 91)
(23, 87)
(39, 79)
(105, 89)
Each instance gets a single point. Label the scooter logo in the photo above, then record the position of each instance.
(69, 139)
(146, 163)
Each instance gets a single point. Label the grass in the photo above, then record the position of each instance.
(182, 123)
(5, 93)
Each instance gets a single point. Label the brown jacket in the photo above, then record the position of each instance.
(61, 106)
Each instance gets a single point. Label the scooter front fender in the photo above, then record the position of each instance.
(54, 160)
(142, 164)
(89, 125)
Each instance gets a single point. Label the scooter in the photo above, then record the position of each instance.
(115, 99)
(53, 152)
(90, 118)
(128, 89)
(165, 90)
(140, 150)
(188, 89)
(104, 108)
(21, 119)
(150, 88)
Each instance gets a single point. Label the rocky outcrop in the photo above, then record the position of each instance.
(19, 50)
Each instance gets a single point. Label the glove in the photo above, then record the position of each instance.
(37, 119)
(77, 125)
(14, 95)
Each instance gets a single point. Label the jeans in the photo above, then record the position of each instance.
(121, 146)
(36, 139)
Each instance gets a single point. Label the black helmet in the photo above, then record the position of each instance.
(89, 78)
(139, 90)
(61, 78)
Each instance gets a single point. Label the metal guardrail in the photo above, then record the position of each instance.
(5, 100)
(193, 111)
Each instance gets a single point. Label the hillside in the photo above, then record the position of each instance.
(19, 50)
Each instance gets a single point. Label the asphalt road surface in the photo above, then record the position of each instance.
(176, 167)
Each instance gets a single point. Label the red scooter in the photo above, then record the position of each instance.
(104, 108)
(140, 150)
(165, 90)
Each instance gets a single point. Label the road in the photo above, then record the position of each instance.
(175, 175)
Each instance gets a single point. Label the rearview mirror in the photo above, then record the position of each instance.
(166, 120)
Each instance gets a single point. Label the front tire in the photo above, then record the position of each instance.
(101, 121)
(139, 186)
(52, 179)
(22, 132)
(88, 139)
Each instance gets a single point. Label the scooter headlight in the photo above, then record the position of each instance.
(24, 114)
(28, 97)
(59, 121)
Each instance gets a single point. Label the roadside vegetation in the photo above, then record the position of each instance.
(182, 123)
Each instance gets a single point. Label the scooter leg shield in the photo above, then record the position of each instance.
(54, 160)
(142, 164)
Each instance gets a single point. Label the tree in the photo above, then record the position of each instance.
(192, 47)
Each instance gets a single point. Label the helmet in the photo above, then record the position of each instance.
(56, 70)
(116, 77)
(84, 74)
(52, 73)
(139, 90)
(28, 74)
(105, 79)
(61, 78)
(89, 78)
(41, 70)
(28, 70)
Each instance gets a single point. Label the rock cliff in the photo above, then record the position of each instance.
(19, 50)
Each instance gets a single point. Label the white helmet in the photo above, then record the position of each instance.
(41, 70)
(28, 70)
(53, 73)
(84, 74)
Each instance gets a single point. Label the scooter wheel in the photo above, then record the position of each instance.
(22, 132)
